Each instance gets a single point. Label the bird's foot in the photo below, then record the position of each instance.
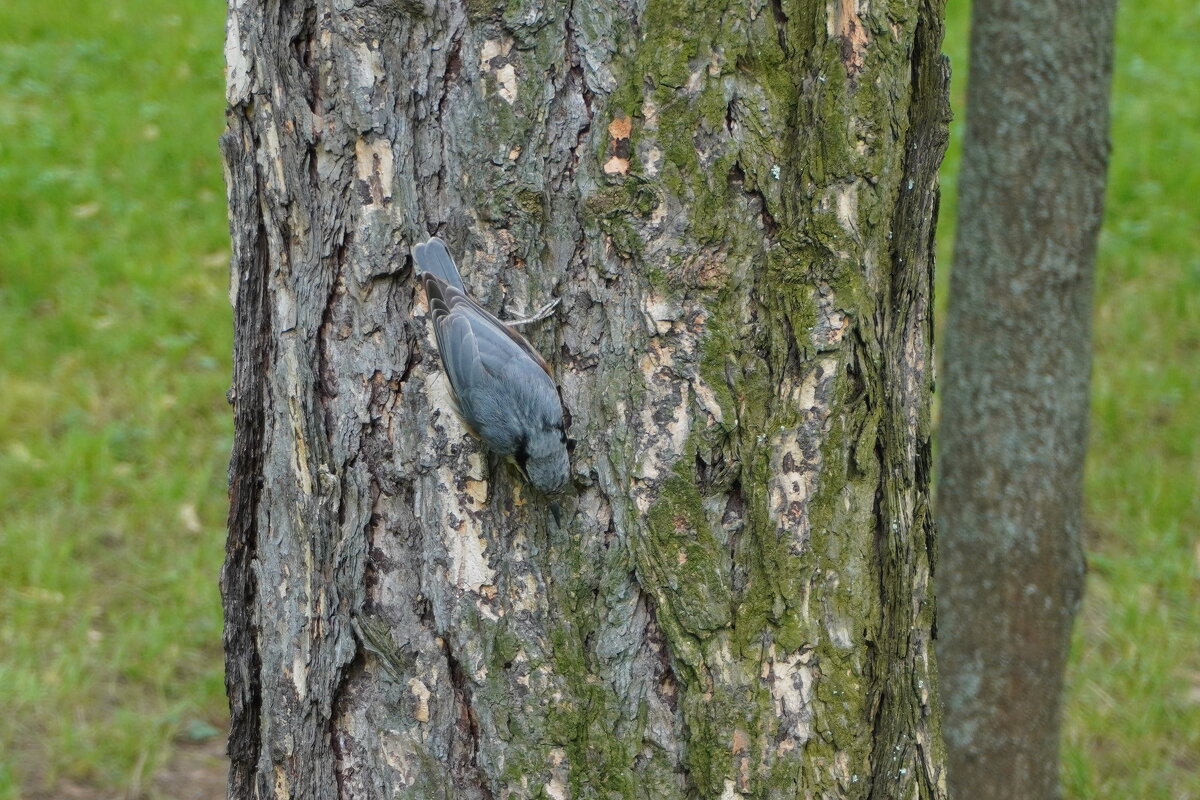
(538, 315)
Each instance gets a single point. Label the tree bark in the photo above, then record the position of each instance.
(735, 204)
(1017, 367)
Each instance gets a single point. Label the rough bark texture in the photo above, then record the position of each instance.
(1017, 364)
(735, 204)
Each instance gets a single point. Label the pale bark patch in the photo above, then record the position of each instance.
(274, 153)
(557, 786)
(300, 454)
(791, 485)
(619, 131)
(238, 66)
(365, 67)
(373, 166)
(493, 58)
(464, 542)
(421, 694)
(506, 83)
(845, 23)
(847, 206)
(795, 452)
(793, 680)
(649, 113)
(397, 747)
(620, 128)
(299, 675)
(616, 166)
(668, 379)
(663, 442)
(832, 325)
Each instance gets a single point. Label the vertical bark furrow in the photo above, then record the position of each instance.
(906, 753)
(251, 355)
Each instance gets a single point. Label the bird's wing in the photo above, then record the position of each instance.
(446, 300)
(476, 348)
(433, 257)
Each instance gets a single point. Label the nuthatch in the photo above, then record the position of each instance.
(502, 389)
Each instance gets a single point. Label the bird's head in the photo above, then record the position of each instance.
(544, 460)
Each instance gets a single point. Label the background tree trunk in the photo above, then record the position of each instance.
(735, 204)
(1017, 365)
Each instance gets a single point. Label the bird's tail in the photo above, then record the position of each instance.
(434, 258)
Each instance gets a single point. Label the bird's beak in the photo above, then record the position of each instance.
(517, 466)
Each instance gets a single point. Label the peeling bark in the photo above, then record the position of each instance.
(737, 215)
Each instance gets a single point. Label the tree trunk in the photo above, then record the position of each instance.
(1017, 364)
(735, 205)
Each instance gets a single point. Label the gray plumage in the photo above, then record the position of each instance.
(502, 388)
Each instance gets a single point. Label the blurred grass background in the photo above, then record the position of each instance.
(114, 432)
(115, 344)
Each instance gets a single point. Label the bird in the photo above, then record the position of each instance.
(502, 389)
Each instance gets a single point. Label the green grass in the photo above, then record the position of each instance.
(114, 433)
(1134, 691)
(1132, 714)
(114, 351)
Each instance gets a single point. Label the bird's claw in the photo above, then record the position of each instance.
(537, 316)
